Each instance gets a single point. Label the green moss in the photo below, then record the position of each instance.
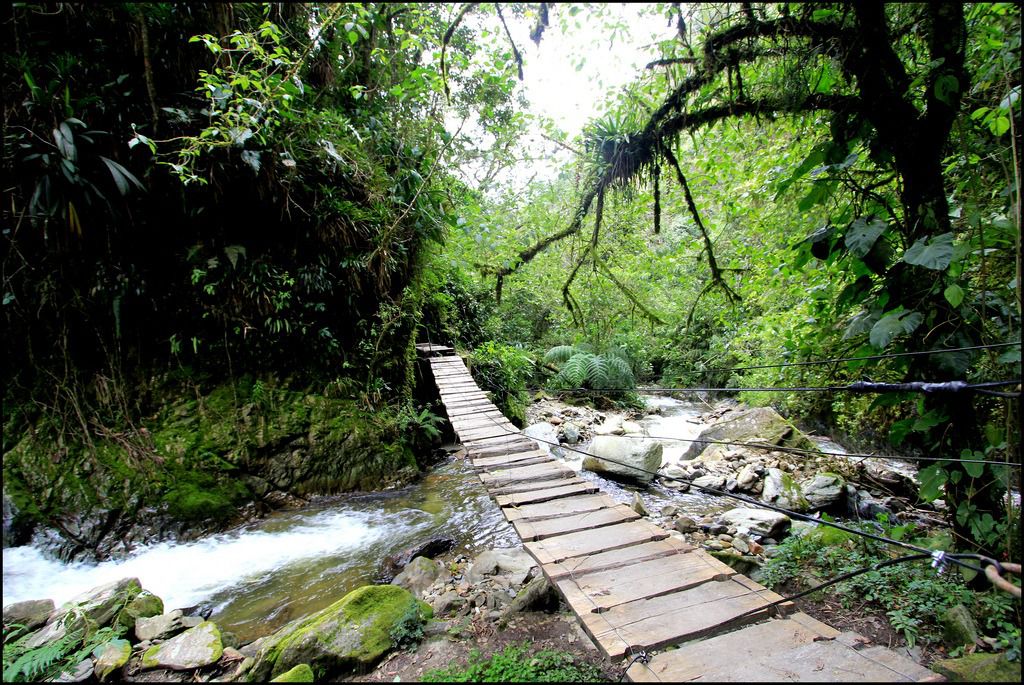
(979, 668)
(144, 605)
(354, 632)
(299, 674)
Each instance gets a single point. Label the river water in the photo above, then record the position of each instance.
(260, 576)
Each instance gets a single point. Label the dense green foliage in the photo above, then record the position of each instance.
(23, 664)
(518, 664)
(911, 595)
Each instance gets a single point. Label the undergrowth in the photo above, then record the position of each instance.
(516, 664)
(49, 660)
(912, 596)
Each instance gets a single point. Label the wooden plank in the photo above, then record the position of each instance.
(589, 520)
(499, 441)
(643, 580)
(616, 559)
(587, 542)
(532, 486)
(706, 609)
(471, 409)
(549, 471)
(780, 650)
(477, 434)
(560, 507)
(508, 460)
(493, 450)
(481, 420)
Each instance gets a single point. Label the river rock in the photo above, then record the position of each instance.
(638, 505)
(780, 489)
(823, 491)
(759, 522)
(79, 674)
(958, 627)
(103, 603)
(351, 634)
(394, 563)
(159, 627)
(538, 595)
(544, 433)
(709, 482)
(759, 423)
(418, 576)
(144, 605)
(195, 648)
(632, 428)
(571, 433)
(300, 674)
(31, 613)
(747, 476)
(685, 524)
(110, 657)
(512, 562)
(979, 668)
(639, 459)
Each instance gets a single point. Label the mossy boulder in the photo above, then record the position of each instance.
(300, 674)
(761, 424)
(110, 657)
(102, 604)
(195, 648)
(782, 490)
(979, 668)
(143, 605)
(353, 633)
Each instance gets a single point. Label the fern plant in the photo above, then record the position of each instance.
(582, 368)
(47, 661)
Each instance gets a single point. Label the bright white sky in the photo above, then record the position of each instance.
(570, 74)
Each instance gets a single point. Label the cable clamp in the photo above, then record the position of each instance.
(939, 561)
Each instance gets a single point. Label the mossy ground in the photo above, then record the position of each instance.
(204, 454)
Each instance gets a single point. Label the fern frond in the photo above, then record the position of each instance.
(619, 373)
(559, 354)
(596, 371)
(574, 372)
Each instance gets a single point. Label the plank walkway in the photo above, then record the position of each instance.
(634, 587)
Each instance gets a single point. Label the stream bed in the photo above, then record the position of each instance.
(258, 577)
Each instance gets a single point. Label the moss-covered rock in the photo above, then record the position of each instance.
(195, 648)
(300, 674)
(143, 605)
(758, 424)
(353, 633)
(110, 657)
(979, 668)
(103, 604)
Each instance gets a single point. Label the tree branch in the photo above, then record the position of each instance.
(515, 50)
(447, 38)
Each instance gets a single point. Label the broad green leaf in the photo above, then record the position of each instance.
(892, 325)
(861, 236)
(946, 88)
(999, 125)
(936, 254)
(932, 479)
(954, 294)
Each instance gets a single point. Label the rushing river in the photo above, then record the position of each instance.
(292, 563)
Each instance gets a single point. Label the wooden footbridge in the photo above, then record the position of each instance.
(633, 586)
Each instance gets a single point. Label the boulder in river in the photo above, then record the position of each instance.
(31, 613)
(102, 604)
(393, 564)
(195, 648)
(418, 576)
(824, 490)
(751, 425)
(780, 489)
(759, 522)
(514, 563)
(624, 458)
(544, 433)
(110, 657)
(353, 633)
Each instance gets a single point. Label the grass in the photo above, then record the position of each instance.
(517, 664)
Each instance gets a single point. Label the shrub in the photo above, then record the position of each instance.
(515, 664)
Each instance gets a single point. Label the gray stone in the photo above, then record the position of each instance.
(638, 505)
(159, 627)
(635, 460)
(709, 482)
(512, 562)
(103, 603)
(632, 428)
(979, 668)
(780, 489)
(195, 648)
(544, 433)
(740, 545)
(824, 490)
(685, 524)
(538, 594)
(79, 674)
(759, 522)
(418, 576)
(110, 657)
(446, 603)
(571, 433)
(31, 613)
(958, 627)
(758, 424)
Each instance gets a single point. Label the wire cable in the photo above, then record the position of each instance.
(873, 357)
(927, 387)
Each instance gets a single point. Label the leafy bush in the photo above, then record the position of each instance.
(515, 664)
(503, 371)
(911, 595)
